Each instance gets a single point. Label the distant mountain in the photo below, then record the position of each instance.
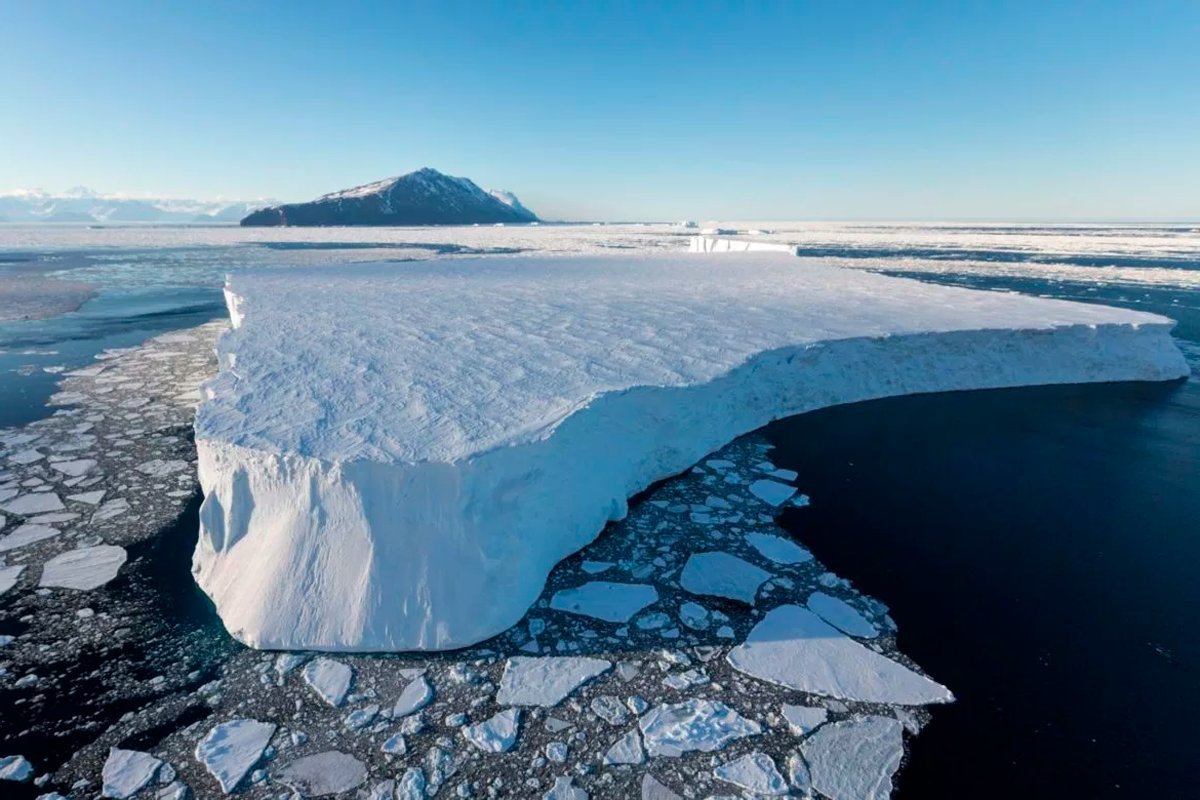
(84, 205)
(424, 197)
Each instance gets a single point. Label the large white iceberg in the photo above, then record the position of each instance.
(394, 456)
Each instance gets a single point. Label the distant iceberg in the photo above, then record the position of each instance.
(394, 458)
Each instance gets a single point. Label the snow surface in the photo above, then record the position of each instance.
(696, 724)
(546, 681)
(330, 679)
(448, 432)
(803, 720)
(754, 772)
(231, 749)
(855, 759)
(793, 647)
(841, 615)
(127, 772)
(497, 734)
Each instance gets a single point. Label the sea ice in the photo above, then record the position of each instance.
(546, 681)
(322, 774)
(84, 569)
(412, 785)
(627, 750)
(754, 772)
(330, 679)
(841, 615)
(497, 734)
(74, 468)
(778, 549)
(27, 534)
(612, 602)
(416, 695)
(15, 768)
(803, 720)
(9, 575)
(696, 724)
(565, 789)
(470, 423)
(722, 575)
(33, 503)
(772, 492)
(793, 647)
(855, 759)
(231, 749)
(127, 772)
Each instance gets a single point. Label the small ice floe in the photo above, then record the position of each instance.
(855, 758)
(231, 749)
(285, 663)
(557, 752)
(626, 750)
(416, 695)
(113, 508)
(793, 647)
(75, 468)
(27, 534)
(159, 468)
(722, 575)
(89, 498)
(25, 457)
(755, 773)
(772, 492)
(611, 602)
(497, 734)
(329, 679)
(803, 720)
(33, 503)
(321, 774)
(394, 745)
(653, 790)
(565, 789)
(411, 785)
(127, 772)
(841, 615)
(694, 616)
(778, 549)
(696, 724)
(783, 474)
(360, 718)
(8, 576)
(610, 709)
(84, 569)
(596, 567)
(546, 681)
(15, 768)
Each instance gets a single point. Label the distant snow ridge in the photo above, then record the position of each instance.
(448, 432)
(424, 197)
(84, 205)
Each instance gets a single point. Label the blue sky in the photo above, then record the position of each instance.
(620, 110)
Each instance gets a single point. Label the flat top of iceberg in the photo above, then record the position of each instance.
(439, 361)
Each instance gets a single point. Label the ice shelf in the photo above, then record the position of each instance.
(394, 456)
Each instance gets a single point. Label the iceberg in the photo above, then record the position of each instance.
(394, 456)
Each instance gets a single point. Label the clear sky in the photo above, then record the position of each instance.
(624, 110)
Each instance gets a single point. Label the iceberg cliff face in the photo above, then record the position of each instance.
(394, 457)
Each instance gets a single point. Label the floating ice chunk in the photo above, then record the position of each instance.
(803, 720)
(596, 567)
(411, 785)
(159, 468)
(90, 498)
(612, 602)
(395, 745)
(26, 457)
(230, 749)
(321, 774)
(285, 663)
(113, 508)
(33, 503)
(84, 569)
(653, 790)
(74, 468)
(627, 750)
(793, 647)
(416, 695)
(497, 734)
(841, 615)
(127, 772)
(694, 615)
(778, 549)
(25, 535)
(15, 768)
(384, 790)
(855, 758)
(783, 474)
(546, 681)
(754, 772)
(360, 718)
(697, 724)
(9, 575)
(52, 518)
(772, 492)
(329, 679)
(565, 789)
(722, 575)
(610, 709)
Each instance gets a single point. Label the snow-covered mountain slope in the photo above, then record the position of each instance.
(509, 199)
(424, 197)
(84, 205)
(448, 431)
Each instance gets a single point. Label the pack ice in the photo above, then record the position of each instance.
(394, 456)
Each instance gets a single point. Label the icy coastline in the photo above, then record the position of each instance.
(446, 434)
